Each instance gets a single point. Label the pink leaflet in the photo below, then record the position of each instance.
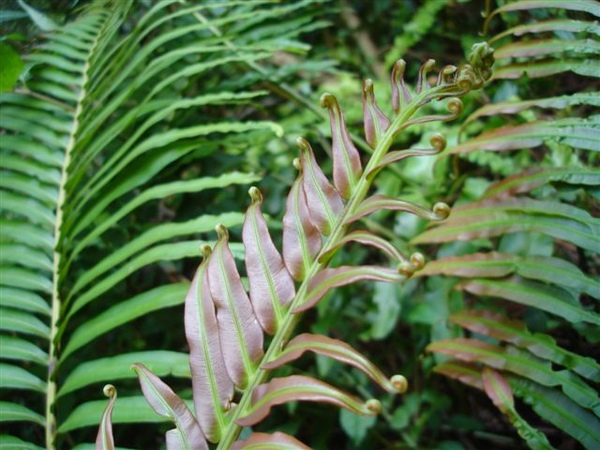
(240, 332)
(211, 385)
(271, 285)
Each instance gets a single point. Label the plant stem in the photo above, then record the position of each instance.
(291, 320)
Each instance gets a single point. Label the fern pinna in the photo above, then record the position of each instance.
(226, 325)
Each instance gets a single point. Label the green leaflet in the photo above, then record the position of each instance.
(12, 412)
(542, 345)
(152, 300)
(521, 363)
(547, 298)
(495, 217)
(161, 362)
(577, 133)
(497, 265)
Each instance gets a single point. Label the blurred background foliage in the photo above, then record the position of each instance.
(333, 46)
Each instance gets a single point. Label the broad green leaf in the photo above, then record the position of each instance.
(43, 22)
(24, 300)
(11, 68)
(574, 132)
(568, 25)
(167, 404)
(14, 377)
(531, 293)
(19, 278)
(588, 6)
(584, 67)
(129, 410)
(113, 368)
(559, 410)
(163, 191)
(531, 179)
(211, 385)
(301, 388)
(522, 363)
(324, 200)
(347, 167)
(13, 412)
(14, 443)
(515, 107)
(25, 256)
(239, 330)
(495, 325)
(271, 285)
(543, 47)
(123, 312)
(21, 350)
(497, 265)
(264, 441)
(22, 322)
(145, 241)
(163, 252)
(495, 217)
(340, 351)
(301, 238)
(105, 439)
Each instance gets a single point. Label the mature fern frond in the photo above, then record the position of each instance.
(99, 116)
(524, 206)
(226, 325)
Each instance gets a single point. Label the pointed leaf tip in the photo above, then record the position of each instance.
(375, 121)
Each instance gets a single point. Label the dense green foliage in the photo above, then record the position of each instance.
(136, 127)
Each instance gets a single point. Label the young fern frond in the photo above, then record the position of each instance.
(225, 325)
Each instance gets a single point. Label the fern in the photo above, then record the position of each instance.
(498, 352)
(226, 326)
(96, 119)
